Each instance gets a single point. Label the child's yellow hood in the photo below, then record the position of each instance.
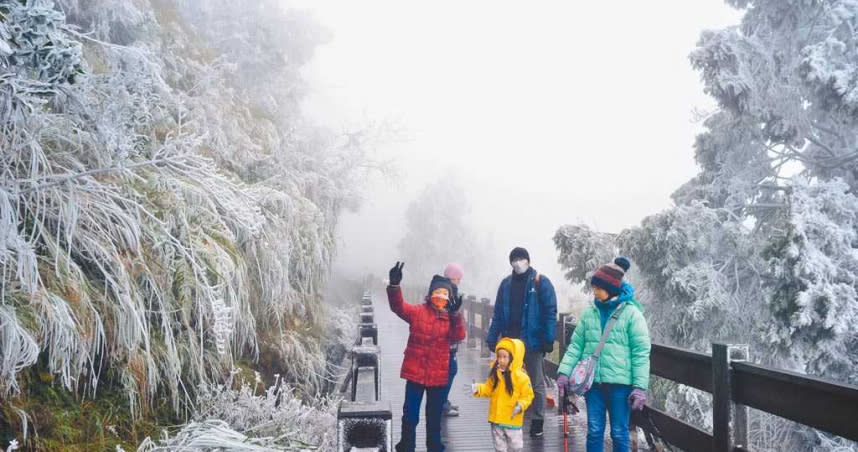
(516, 348)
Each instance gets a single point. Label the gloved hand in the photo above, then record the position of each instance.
(637, 399)
(547, 347)
(395, 274)
(516, 410)
(562, 385)
(455, 304)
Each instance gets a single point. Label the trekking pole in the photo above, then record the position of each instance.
(565, 409)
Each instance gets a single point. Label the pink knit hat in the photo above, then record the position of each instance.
(454, 271)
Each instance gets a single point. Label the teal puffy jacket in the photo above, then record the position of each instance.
(625, 356)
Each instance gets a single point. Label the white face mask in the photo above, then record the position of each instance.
(520, 266)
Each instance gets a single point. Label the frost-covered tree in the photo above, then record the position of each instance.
(438, 231)
(583, 250)
(760, 247)
(786, 82)
(813, 293)
(787, 78)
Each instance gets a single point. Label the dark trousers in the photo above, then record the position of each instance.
(411, 417)
(534, 363)
(454, 368)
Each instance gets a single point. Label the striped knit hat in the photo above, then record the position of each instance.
(610, 276)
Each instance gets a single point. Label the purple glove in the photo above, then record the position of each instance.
(637, 399)
(562, 383)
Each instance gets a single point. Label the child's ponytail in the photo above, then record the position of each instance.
(493, 375)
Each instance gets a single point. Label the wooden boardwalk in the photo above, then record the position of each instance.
(470, 430)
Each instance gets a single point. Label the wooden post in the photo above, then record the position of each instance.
(470, 303)
(740, 412)
(485, 318)
(720, 399)
(723, 412)
(561, 336)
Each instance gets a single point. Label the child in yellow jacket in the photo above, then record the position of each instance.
(510, 393)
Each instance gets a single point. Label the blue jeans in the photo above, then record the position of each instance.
(614, 398)
(411, 417)
(454, 368)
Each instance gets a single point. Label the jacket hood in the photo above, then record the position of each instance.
(514, 346)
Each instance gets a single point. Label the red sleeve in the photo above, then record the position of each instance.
(398, 305)
(457, 328)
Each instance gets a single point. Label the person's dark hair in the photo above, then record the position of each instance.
(507, 376)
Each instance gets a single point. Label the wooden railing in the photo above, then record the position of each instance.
(734, 383)
(364, 421)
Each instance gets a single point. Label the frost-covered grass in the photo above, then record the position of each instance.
(161, 217)
(252, 419)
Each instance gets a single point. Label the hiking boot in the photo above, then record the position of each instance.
(536, 429)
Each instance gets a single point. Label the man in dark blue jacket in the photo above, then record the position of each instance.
(526, 308)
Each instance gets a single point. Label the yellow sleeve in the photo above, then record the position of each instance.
(525, 391)
(484, 389)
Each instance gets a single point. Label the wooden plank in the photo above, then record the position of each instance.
(678, 433)
(682, 366)
(469, 432)
(816, 402)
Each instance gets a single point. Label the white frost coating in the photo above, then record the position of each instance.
(164, 208)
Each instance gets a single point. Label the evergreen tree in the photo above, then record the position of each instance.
(761, 244)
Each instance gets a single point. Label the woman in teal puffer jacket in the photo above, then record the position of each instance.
(622, 374)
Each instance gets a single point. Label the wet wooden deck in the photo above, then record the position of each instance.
(470, 430)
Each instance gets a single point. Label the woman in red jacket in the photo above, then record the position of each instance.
(433, 326)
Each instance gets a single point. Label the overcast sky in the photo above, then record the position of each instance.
(550, 112)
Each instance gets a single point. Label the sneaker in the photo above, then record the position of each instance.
(536, 429)
(452, 412)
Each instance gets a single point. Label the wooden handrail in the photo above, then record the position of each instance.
(815, 402)
(683, 366)
(680, 434)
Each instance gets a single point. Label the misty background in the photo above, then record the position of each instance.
(194, 192)
(549, 114)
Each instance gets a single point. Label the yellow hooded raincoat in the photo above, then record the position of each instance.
(502, 403)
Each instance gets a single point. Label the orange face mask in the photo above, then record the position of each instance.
(439, 299)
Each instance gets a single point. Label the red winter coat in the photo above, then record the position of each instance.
(427, 355)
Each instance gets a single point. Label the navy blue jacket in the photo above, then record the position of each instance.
(539, 313)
